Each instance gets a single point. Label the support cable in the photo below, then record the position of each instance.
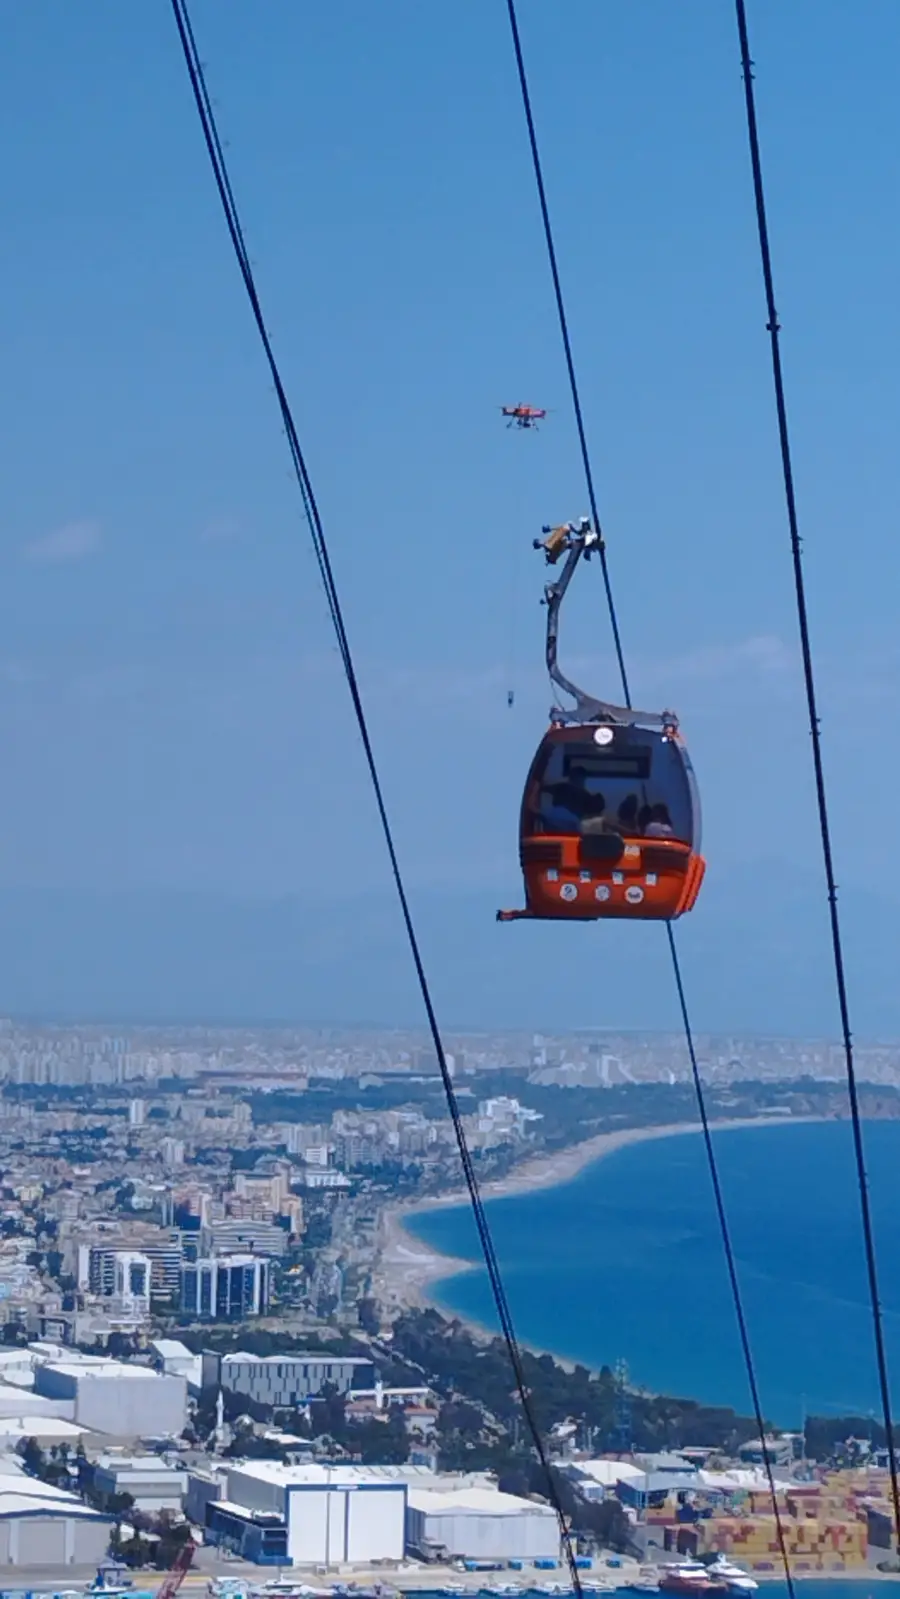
(773, 327)
(567, 345)
(712, 1162)
(730, 1262)
(501, 1303)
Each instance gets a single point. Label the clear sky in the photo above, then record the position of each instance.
(172, 717)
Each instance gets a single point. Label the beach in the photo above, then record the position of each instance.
(407, 1267)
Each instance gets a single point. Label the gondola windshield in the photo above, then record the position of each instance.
(640, 791)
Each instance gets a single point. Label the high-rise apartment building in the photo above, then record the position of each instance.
(225, 1287)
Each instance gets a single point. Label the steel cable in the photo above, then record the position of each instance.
(773, 328)
(317, 533)
(567, 343)
(712, 1162)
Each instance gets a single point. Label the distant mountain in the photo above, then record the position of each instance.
(756, 958)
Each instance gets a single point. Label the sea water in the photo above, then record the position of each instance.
(625, 1262)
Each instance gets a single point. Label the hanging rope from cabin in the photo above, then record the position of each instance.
(773, 327)
(712, 1162)
(317, 533)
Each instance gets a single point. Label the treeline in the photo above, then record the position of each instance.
(459, 1364)
(473, 1377)
(839, 1438)
(224, 1338)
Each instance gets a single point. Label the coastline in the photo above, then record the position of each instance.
(408, 1267)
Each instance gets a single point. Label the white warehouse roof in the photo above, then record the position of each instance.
(172, 1349)
(24, 1402)
(272, 1471)
(141, 1468)
(103, 1368)
(316, 1356)
(281, 1476)
(20, 1494)
(474, 1502)
(608, 1472)
(14, 1428)
(17, 1366)
(743, 1479)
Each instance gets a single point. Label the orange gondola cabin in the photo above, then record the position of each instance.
(610, 819)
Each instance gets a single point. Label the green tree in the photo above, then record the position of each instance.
(381, 1443)
(136, 1551)
(328, 1413)
(33, 1458)
(172, 1538)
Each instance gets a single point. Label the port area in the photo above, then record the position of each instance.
(413, 1577)
(18, 1582)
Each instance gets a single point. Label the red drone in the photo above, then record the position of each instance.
(522, 416)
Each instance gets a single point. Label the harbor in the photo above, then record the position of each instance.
(469, 1579)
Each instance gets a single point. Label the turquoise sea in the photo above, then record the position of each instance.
(625, 1262)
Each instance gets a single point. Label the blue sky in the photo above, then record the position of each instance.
(172, 716)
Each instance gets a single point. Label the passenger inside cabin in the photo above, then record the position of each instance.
(628, 815)
(660, 823)
(572, 806)
(597, 822)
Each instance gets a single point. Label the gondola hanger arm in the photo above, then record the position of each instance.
(574, 540)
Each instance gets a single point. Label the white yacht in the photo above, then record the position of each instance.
(738, 1580)
(285, 1588)
(688, 1576)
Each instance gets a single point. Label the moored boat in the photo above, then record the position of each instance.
(690, 1577)
(109, 1584)
(736, 1579)
(280, 1588)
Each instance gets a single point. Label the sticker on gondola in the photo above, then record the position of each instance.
(584, 877)
(634, 895)
(553, 875)
(603, 735)
(651, 879)
(568, 891)
(601, 892)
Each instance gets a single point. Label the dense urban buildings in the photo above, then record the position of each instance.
(158, 1178)
(201, 1317)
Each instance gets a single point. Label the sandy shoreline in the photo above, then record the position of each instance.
(407, 1267)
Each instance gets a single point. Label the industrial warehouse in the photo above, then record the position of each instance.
(45, 1526)
(50, 1388)
(313, 1515)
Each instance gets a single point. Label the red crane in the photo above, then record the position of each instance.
(175, 1577)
